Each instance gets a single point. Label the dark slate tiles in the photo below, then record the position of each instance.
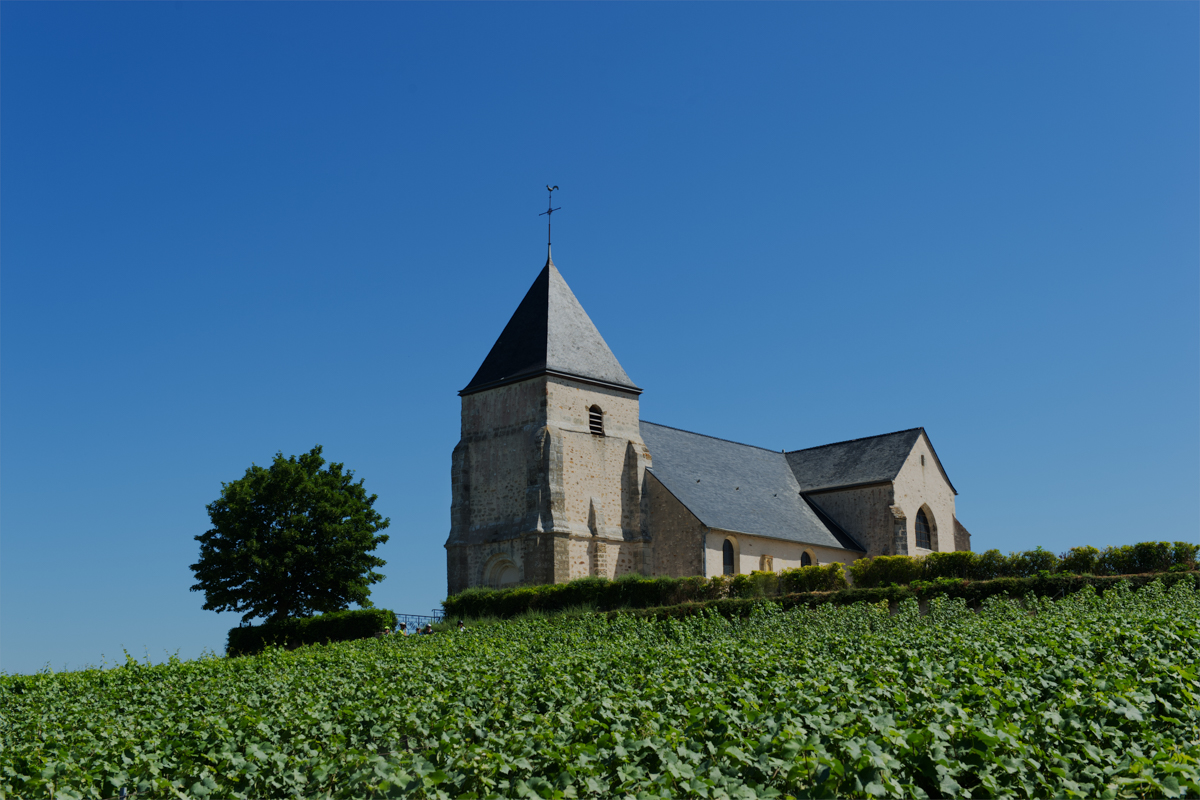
(871, 460)
(549, 332)
(735, 487)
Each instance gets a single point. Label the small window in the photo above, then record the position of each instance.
(923, 538)
(596, 420)
(728, 552)
(805, 560)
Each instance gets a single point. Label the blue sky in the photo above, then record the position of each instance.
(235, 229)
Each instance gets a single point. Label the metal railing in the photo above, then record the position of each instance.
(414, 622)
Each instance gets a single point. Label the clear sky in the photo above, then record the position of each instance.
(235, 229)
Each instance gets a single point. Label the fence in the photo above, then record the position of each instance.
(414, 622)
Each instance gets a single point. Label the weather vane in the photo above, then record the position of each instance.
(548, 212)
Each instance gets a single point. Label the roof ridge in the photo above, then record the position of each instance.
(859, 439)
(706, 436)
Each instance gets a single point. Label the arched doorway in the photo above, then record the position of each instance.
(502, 573)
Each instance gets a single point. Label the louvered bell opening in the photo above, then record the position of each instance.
(596, 420)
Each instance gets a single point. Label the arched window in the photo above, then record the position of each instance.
(596, 420)
(805, 560)
(727, 549)
(923, 538)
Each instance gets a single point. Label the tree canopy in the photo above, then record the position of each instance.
(290, 541)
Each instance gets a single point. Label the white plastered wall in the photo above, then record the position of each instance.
(748, 552)
(922, 485)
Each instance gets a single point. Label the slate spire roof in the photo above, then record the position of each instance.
(550, 334)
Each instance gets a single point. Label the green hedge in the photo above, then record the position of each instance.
(829, 578)
(635, 591)
(973, 592)
(1133, 559)
(338, 626)
(630, 591)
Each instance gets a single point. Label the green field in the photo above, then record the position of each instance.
(1088, 696)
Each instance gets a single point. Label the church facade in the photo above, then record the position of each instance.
(557, 477)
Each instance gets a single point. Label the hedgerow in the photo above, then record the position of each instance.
(1095, 695)
(635, 591)
(973, 593)
(336, 626)
(627, 591)
(1121, 560)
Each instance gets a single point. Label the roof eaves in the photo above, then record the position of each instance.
(836, 487)
(783, 538)
(523, 376)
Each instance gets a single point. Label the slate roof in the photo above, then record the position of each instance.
(873, 459)
(737, 487)
(550, 333)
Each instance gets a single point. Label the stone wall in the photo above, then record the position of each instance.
(863, 513)
(537, 557)
(538, 496)
(497, 450)
(605, 558)
(677, 537)
(536, 493)
(866, 512)
(458, 572)
(962, 537)
(601, 475)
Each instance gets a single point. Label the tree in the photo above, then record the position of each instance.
(291, 540)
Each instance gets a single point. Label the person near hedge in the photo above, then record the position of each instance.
(428, 630)
(461, 627)
(402, 630)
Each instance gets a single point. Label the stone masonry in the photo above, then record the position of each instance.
(553, 480)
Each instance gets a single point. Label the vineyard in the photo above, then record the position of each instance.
(1088, 696)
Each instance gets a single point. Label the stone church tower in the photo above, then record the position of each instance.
(548, 473)
(553, 477)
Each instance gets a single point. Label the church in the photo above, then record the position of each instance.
(556, 476)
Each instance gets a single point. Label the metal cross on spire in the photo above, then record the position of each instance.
(548, 214)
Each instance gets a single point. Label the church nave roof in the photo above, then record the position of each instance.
(738, 487)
